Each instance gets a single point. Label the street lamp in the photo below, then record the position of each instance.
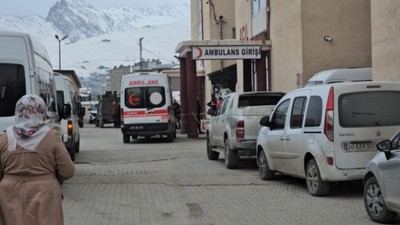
(59, 49)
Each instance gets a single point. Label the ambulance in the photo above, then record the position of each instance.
(146, 106)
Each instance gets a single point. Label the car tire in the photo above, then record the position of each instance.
(77, 147)
(101, 123)
(231, 157)
(265, 172)
(211, 155)
(170, 137)
(126, 138)
(96, 123)
(315, 185)
(374, 203)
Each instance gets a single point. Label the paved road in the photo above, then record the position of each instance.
(154, 182)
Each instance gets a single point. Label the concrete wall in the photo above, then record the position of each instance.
(385, 39)
(298, 28)
(347, 22)
(286, 38)
(243, 28)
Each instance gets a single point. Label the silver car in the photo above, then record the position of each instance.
(382, 182)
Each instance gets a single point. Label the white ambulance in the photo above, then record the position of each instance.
(146, 106)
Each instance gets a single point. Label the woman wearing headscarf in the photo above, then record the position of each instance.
(33, 163)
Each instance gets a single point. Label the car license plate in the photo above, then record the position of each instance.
(359, 147)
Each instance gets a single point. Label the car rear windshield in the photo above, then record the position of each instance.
(12, 87)
(255, 100)
(369, 109)
(145, 97)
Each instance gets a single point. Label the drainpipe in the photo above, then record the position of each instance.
(220, 21)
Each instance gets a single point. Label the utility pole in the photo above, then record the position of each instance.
(141, 58)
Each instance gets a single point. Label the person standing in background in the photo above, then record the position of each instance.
(177, 113)
(34, 161)
(199, 108)
(115, 111)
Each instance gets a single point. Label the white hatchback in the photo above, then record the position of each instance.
(382, 182)
(327, 133)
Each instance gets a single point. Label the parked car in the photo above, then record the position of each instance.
(233, 128)
(93, 112)
(341, 75)
(382, 182)
(327, 133)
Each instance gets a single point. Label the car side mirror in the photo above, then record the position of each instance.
(386, 147)
(265, 121)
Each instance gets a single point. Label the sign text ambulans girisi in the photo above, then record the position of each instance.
(226, 52)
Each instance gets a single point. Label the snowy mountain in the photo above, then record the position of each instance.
(102, 39)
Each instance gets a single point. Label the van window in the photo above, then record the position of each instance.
(314, 112)
(144, 97)
(296, 119)
(256, 100)
(60, 100)
(369, 109)
(12, 87)
(279, 117)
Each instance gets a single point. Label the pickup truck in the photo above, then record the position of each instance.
(233, 128)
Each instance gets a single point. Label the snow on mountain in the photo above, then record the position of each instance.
(102, 39)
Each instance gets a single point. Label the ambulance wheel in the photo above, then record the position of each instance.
(126, 138)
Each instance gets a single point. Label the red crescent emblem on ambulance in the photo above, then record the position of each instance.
(133, 99)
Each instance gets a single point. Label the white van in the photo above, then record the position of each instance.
(67, 106)
(341, 75)
(328, 133)
(146, 106)
(25, 68)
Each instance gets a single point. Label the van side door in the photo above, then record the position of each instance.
(275, 137)
(293, 148)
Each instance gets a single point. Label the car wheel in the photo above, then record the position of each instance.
(374, 203)
(211, 155)
(231, 157)
(315, 185)
(170, 137)
(77, 147)
(126, 138)
(101, 123)
(96, 123)
(265, 172)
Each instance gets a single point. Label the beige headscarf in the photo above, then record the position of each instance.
(30, 123)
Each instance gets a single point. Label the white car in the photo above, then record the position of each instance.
(382, 182)
(327, 133)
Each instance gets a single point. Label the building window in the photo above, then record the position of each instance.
(258, 5)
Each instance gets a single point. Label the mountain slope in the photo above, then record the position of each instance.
(101, 39)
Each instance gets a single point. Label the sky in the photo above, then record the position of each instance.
(42, 7)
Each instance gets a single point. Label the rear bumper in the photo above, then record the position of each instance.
(147, 129)
(247, 147)
(332, 173)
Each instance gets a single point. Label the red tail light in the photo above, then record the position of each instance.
(69, 126)
(329, 122)
(240, 129)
